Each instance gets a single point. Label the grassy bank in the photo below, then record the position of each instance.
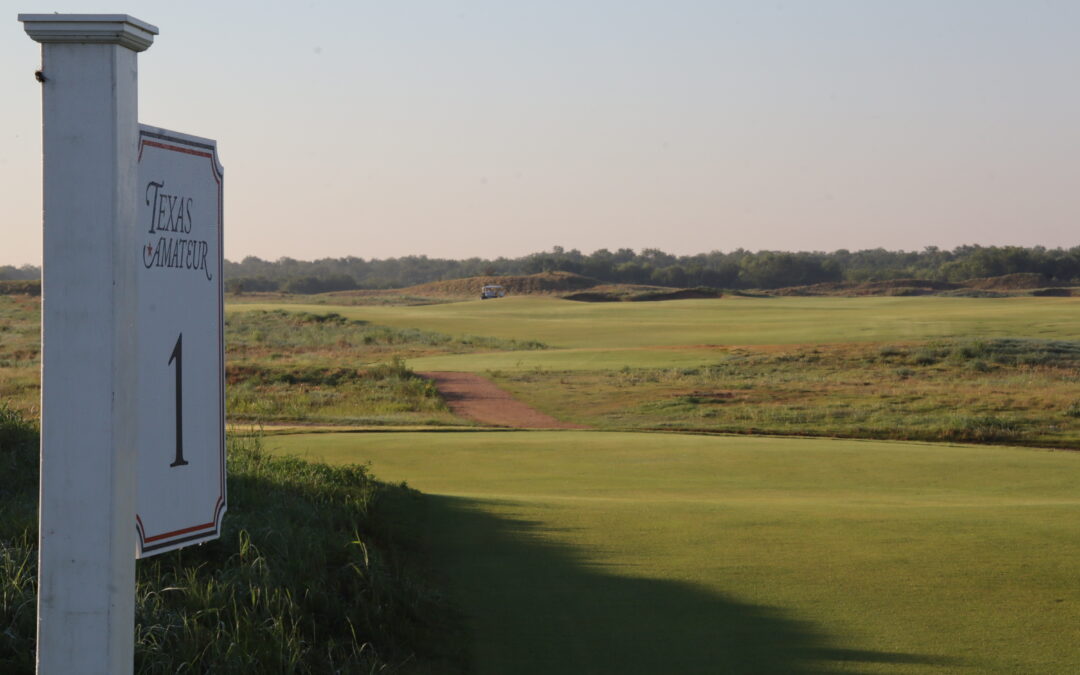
(659, 553)
(970, 390)
(318, 570)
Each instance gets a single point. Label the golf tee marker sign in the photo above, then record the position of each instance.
(181, 425)
(132, 443)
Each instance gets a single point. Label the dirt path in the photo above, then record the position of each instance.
(477, 398)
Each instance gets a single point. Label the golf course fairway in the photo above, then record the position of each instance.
(564, 324)
(685, 333)
(597, 552)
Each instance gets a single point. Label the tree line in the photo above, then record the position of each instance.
(22, 273)
(739, 269)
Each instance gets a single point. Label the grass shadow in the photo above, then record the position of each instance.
(537, 606)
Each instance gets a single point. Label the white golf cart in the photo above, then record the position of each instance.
(492, 291)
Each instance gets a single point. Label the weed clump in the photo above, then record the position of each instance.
(1018, 352)
(983, 355)
(980, 429)
(18, 540)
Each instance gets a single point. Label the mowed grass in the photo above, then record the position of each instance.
(578, 359)
(656, 553)
(730, 320)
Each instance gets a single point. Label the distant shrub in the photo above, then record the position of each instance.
(251, 285)
(891, 351)
(981, 429)
(15, 430)
(974, 293)
(20, 287)
(309, 284)
(906, 291)
(925, 357)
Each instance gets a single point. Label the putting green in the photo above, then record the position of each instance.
(647, 553)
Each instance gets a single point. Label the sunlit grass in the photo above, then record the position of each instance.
(766, 554)
(321, 368)
(731, 320)
(382, 394)
(285, 337)
(284, 367)
(992, 390)
(20, 352)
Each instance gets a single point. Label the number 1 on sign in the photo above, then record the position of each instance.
(177, 356)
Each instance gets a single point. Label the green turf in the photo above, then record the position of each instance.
(594, 329)
(646, 553)
(568, 359)
(735, 320)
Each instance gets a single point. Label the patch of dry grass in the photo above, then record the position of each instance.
(992, 391)
(20, 352)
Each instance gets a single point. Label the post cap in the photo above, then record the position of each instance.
(119, 29)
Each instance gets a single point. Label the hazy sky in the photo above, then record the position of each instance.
(503, 127)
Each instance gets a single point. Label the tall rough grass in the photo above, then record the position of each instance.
(308, 575)
(994, 390)
(18, 541)
(384, 393)
(325, 368)
(280, 329)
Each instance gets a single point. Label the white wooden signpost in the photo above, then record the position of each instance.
(132, 425)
